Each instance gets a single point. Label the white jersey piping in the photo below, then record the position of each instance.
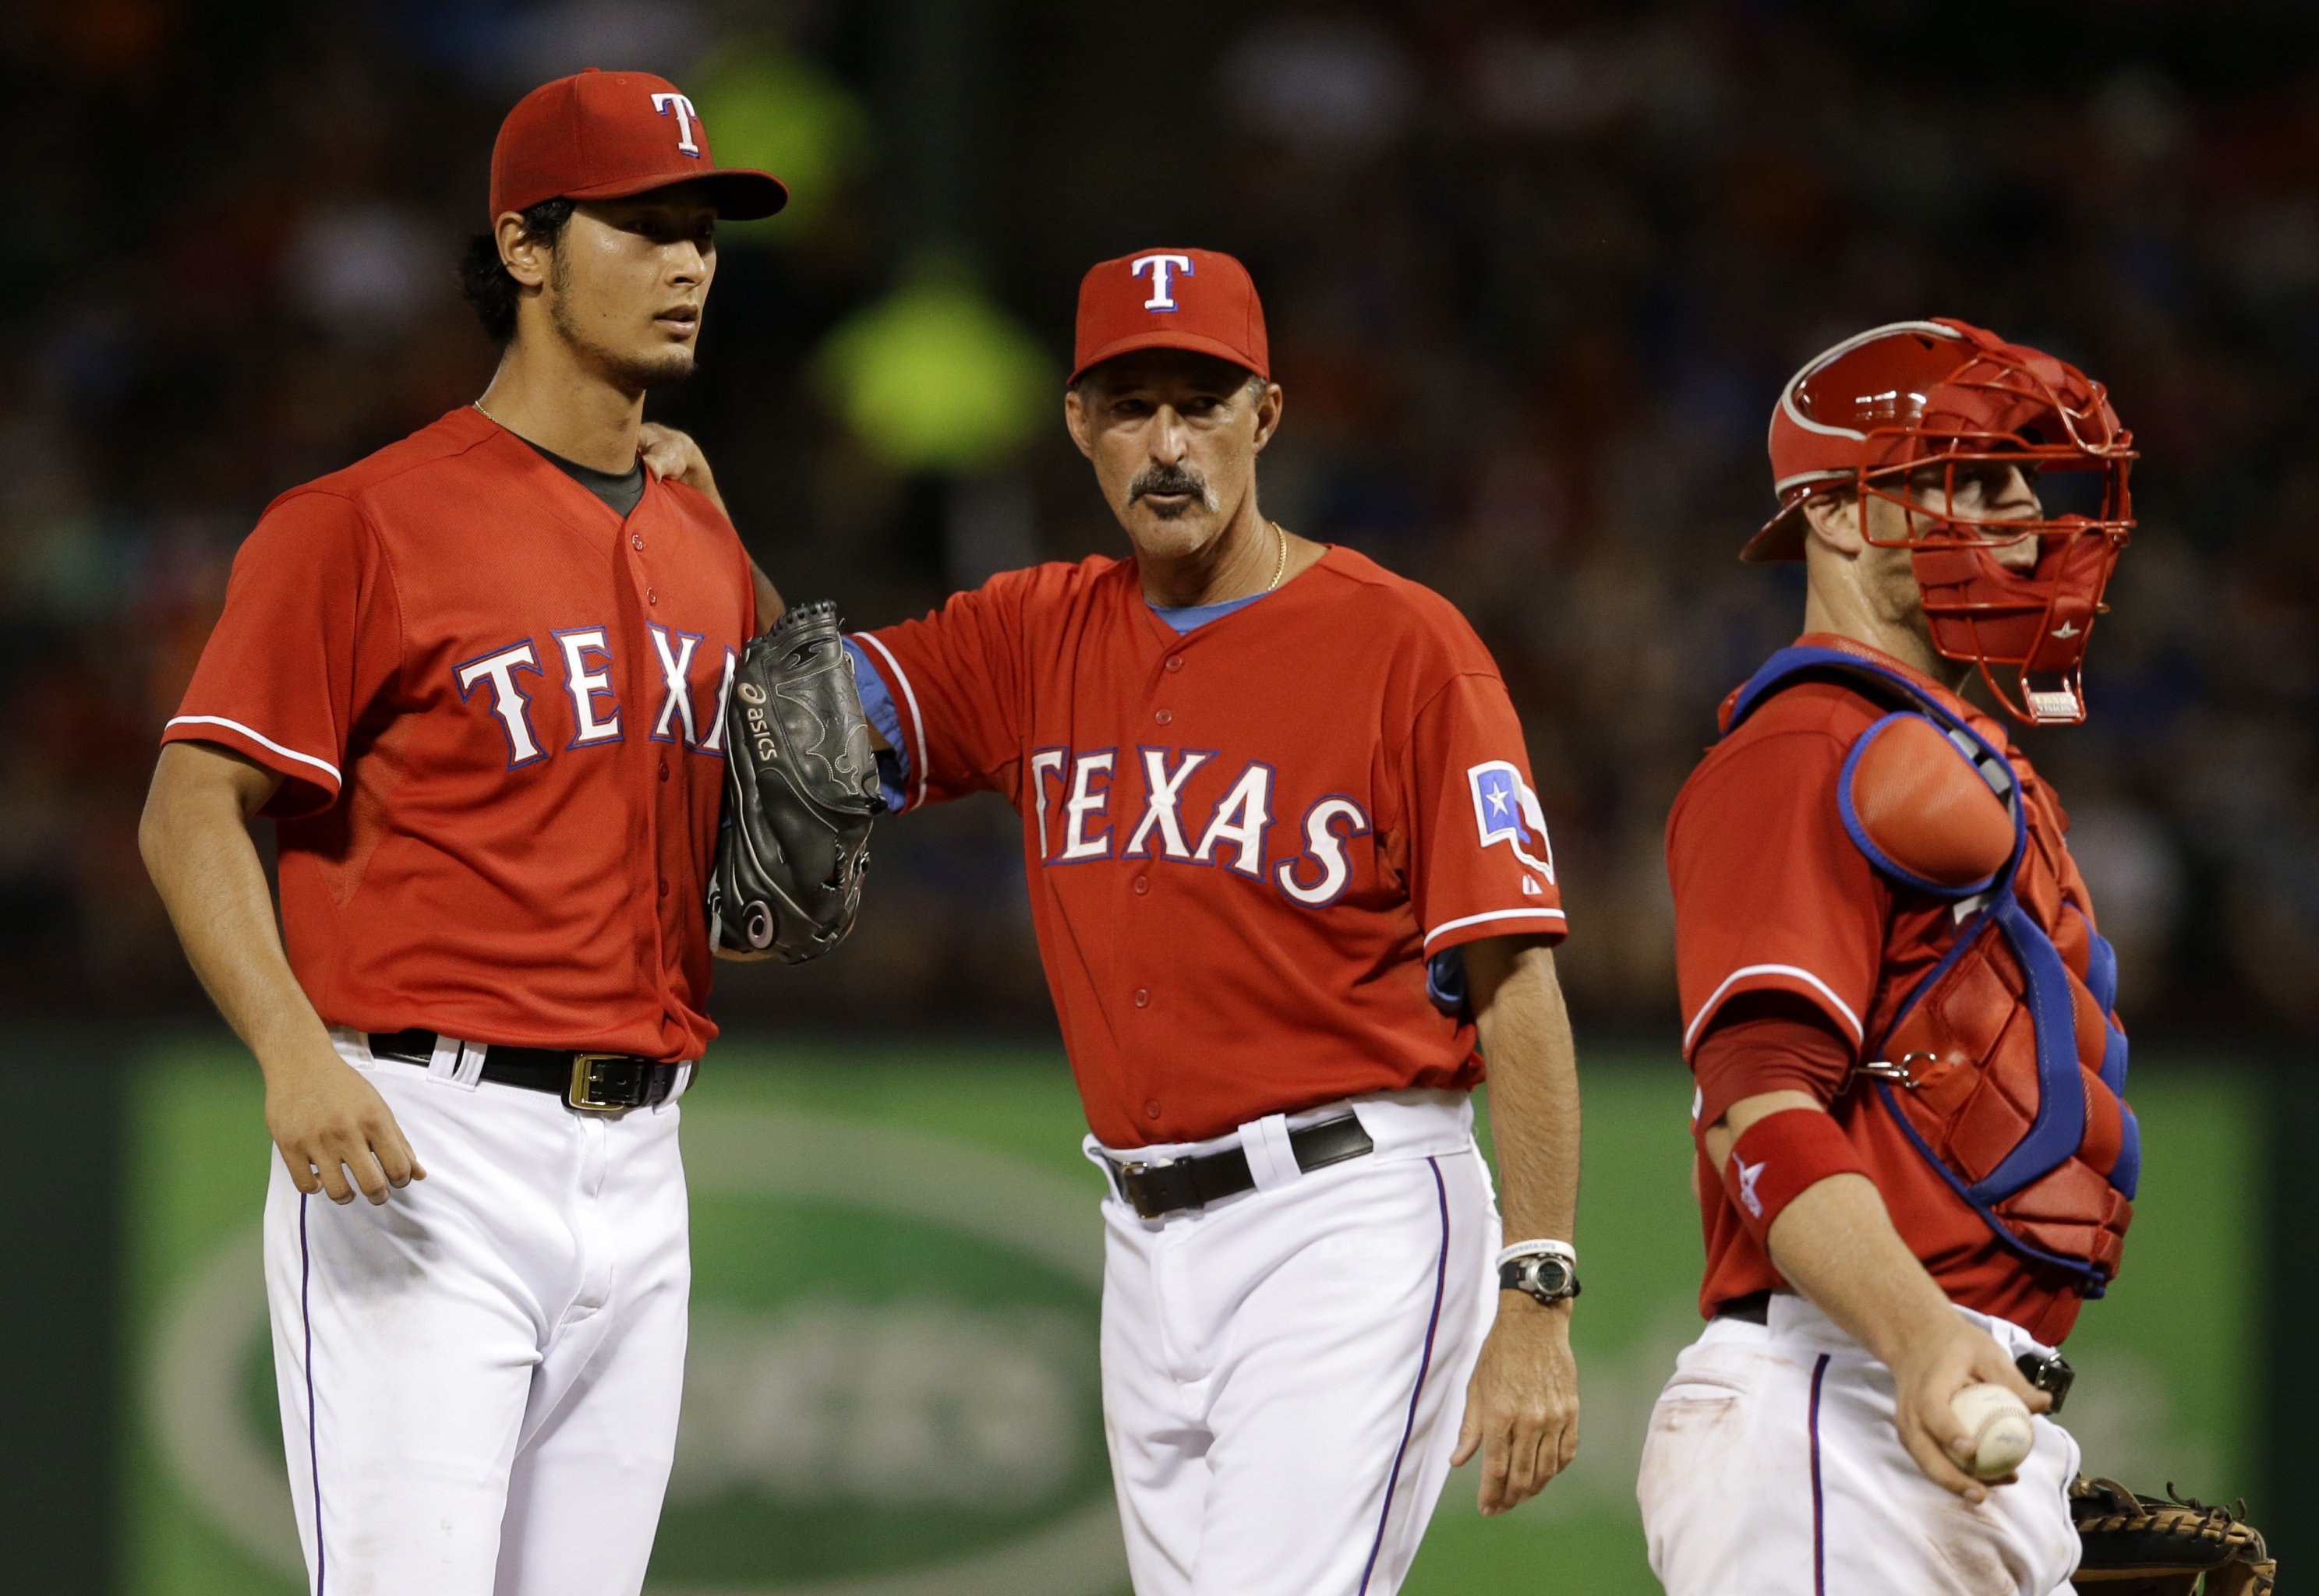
(262, 740)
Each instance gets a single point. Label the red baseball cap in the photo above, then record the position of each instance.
(601, 135)
(1200, 299)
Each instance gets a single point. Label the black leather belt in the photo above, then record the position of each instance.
(1163, 1186)
(2052, 1375)
(592, 1083)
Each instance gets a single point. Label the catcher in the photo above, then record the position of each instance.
(1915, 1158)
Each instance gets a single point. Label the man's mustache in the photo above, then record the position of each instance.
(1170, 479)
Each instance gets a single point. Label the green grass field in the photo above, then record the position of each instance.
(918, 1221)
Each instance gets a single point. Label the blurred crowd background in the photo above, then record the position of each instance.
(1534, 273)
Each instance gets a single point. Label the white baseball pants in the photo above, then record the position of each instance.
(1772, 1468)
(480, 1379)
(1283, 1372)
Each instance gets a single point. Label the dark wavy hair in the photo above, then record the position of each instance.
(485, 282)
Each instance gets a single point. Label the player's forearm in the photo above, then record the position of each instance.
(194, 836)
(1525, 1033)
(1836, 1244)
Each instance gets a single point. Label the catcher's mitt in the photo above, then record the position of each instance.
(801, 791)
(2143, 1545)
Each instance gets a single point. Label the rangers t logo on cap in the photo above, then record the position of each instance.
(1161, 266)
(685, 117)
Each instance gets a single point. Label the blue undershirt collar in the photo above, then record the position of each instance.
(1190, 617)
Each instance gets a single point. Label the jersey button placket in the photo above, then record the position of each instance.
(662, 802)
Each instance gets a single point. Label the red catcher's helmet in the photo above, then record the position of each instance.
(1882, 413)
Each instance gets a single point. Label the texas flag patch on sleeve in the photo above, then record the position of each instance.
(1505, 810)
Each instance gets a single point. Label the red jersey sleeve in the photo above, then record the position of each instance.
(1770, 892)
(958, 683)
(310, 635)
(1767, 1042)
(1480, 862)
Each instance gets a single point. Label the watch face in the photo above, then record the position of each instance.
(1551, 1276)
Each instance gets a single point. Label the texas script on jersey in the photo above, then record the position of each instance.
(585, 659)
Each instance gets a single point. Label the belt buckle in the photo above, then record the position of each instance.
(586, 1079)
(1131, 1182)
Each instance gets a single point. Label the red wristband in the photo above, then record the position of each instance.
(1779, 1158)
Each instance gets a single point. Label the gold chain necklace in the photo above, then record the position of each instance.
(1280, 565)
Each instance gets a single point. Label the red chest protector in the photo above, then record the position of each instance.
(2004, 1064)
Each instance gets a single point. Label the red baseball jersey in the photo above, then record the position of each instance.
(1243, 842)
(1773, 896)
(497, 708)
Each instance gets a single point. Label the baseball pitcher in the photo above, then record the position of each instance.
(476, 681)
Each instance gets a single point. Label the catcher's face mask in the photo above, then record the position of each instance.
(1906, 413)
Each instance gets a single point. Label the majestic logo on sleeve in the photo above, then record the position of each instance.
(1505, 810)
(1749, 1174)
(1160, 268)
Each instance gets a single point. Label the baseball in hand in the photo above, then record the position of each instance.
(1998, 1423)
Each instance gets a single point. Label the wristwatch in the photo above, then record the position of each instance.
(1545, 1271)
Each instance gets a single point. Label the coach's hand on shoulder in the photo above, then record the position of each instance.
(673, 457)
(1928, 1370)
(1522, 1408)
(328, 1122)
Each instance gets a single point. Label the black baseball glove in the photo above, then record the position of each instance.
(2141, 1546)
(801, 791)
